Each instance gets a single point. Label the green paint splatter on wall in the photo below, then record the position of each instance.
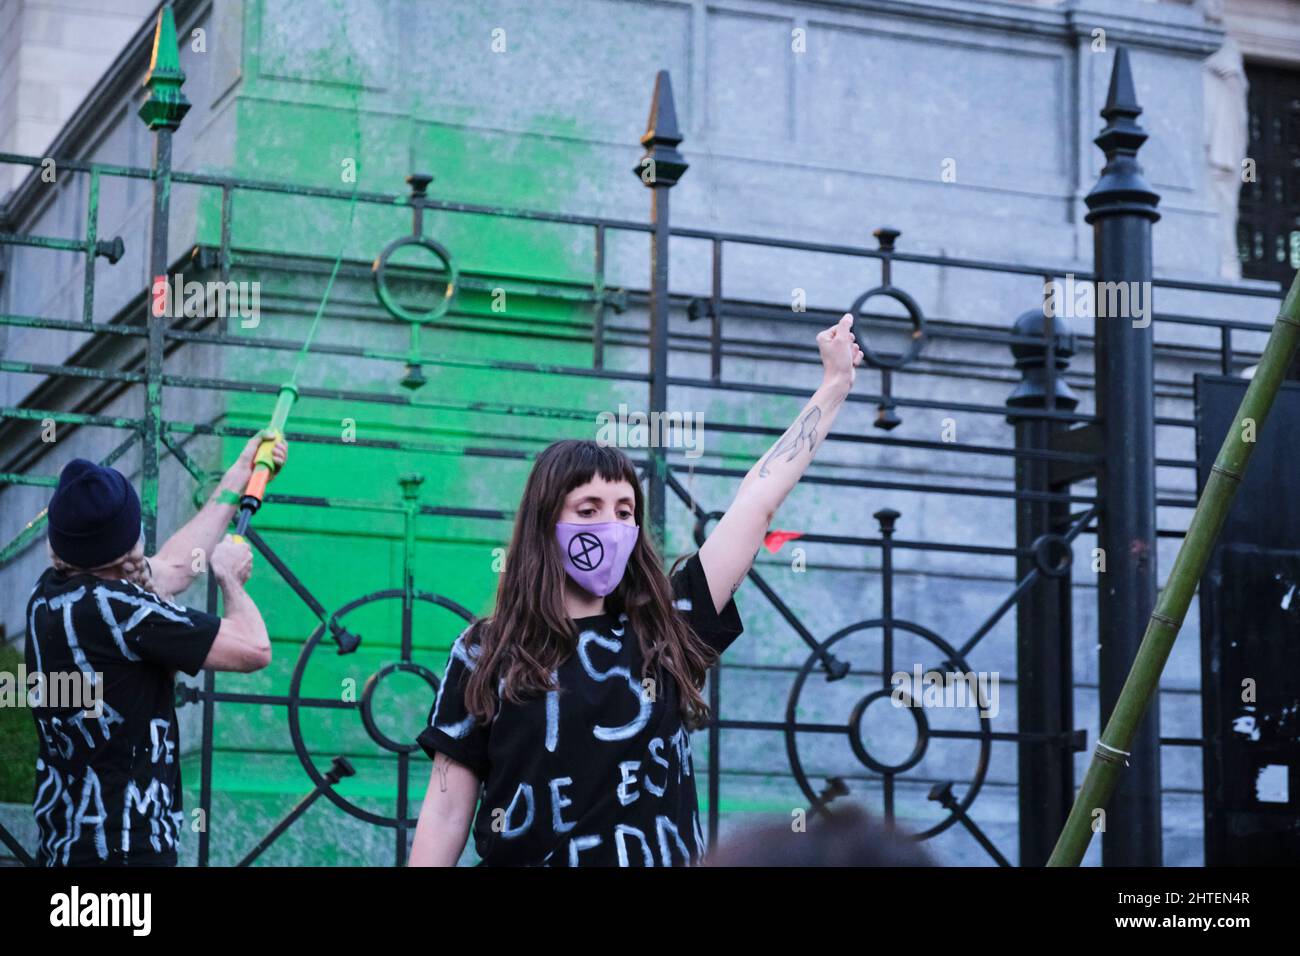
(310, 133)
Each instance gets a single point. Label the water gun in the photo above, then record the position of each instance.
(263, 464)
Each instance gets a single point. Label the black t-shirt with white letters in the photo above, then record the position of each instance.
(598, 773)
(108, 786)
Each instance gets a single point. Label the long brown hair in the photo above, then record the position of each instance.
(530, 634)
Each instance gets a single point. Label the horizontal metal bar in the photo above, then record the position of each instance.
(1174, 318)
(24, 413)
(40, 481)
(69, 371)
(45, 242)
(436, 360)
(903, 544)
(936, 327)
(785, 726)
(324, 192)
(903, 486)
(400, 201)
(440, 511)
(67, 325)
(871, 398)
(1031, 454)
(389, 444)
(347, 504)
(264, 388)
(522, 286)
(197, 695)
(1190, 285)
(78, 165)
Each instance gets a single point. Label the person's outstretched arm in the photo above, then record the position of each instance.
(729, 551)
(173, 567)
(444, 822)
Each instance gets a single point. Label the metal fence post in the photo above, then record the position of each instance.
(207, 743)
(1044, 634)
(162, 111)
(1122, 209)
(659, 169)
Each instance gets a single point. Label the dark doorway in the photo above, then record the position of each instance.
(1268, 221)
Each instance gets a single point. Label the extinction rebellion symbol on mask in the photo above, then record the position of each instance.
(586, 551)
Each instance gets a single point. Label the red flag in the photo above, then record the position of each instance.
(773, 540)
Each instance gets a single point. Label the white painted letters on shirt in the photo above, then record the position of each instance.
(578, 844)
(160, 743)
(526, 791)
(558, 803)
(627, 771)
(621, 832)
(91, 790)
(633, 727)
(664, 826)
(656, 745)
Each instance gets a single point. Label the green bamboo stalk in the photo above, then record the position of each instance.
(1143, 681)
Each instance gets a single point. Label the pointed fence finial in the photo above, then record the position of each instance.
(1122, 185)
(1121, 94)
(662, 164)
(166, 105)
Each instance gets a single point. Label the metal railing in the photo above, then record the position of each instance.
(1050, 445)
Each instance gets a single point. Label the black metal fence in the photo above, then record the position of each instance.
(1050, 447)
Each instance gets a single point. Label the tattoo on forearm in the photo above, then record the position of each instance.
(801, 433)
(739, 582)
(440, 764)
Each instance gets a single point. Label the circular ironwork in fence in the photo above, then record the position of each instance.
(365, 706)
(389, 301)
(852, 728)
(914, 315)
(1053, 555)
(368, 697)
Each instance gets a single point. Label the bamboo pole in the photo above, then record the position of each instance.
(1144, 678)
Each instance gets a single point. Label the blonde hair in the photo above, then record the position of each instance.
(128, 567)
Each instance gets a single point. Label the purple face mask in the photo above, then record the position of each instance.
(596, 555)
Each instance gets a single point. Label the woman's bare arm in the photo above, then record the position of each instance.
(729, 551)
(444, 822)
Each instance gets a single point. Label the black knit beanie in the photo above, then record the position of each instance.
(94, 516)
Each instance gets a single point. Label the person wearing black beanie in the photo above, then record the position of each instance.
(93, 516)
(104, 642)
